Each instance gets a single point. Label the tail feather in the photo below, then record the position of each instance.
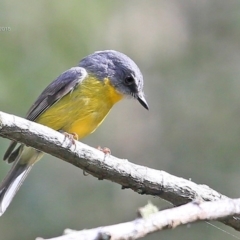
(24, 158)
(12, 183)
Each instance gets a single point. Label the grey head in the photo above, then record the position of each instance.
(123, 73)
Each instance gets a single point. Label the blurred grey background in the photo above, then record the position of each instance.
(189, 54)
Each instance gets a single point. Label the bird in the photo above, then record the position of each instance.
(75, 103)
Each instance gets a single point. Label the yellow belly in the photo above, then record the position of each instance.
(83, 110)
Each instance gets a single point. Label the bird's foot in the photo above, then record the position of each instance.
(73, 137)
(105, 150)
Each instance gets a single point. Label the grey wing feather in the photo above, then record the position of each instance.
(9, 150)
(60, 87)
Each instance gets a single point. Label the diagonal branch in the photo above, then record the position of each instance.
(141, 179)
(170, 218)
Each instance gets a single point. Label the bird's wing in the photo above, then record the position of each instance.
(60, 87)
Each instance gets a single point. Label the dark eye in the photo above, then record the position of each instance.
(129, 80)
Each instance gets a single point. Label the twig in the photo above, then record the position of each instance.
(171, 218)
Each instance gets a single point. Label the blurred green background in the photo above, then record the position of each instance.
(189, 54)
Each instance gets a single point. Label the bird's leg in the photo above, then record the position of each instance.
(71, 136)
(104, 150)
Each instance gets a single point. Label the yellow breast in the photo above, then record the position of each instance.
(83, 110)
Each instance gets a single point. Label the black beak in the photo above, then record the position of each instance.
(142, 100)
